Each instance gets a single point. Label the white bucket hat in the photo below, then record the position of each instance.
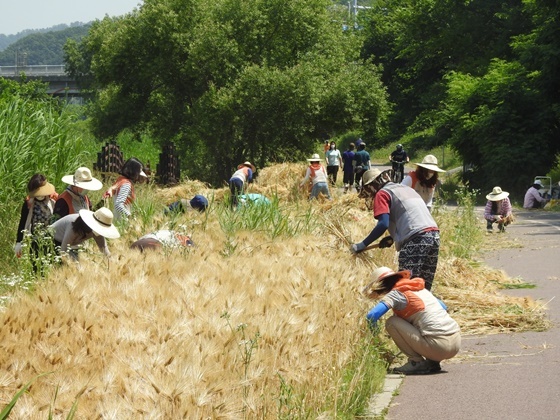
(430, 162)
(497, 194)
(101, 222)
(82, 179)
(314, 158)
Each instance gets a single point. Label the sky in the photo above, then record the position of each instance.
(18, 15)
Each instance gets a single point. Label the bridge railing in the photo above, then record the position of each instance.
(42, 70)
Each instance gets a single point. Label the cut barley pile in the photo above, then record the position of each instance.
(247, 324)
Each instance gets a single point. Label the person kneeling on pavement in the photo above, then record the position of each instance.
(420, 326)
(498, 210)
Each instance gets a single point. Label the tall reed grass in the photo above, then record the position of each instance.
(34, 137)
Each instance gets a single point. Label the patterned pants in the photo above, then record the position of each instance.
(420, 256)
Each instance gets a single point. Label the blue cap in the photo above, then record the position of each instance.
(199, 202)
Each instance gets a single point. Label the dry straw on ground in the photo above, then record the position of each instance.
(197, 334)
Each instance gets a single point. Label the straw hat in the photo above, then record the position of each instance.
(497, 194)
(43, 190)
(379, 277)
(82, 179)
(314, 158)
(101, 222)
(247, 163)
(370, 175)
(430, 162)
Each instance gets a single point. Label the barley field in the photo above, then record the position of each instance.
(262, 318)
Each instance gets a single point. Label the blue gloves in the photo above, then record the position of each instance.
(359, 247)
(375, 313)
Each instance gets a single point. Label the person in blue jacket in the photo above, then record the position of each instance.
(420, 325)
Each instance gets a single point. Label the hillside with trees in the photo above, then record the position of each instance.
(39, 47)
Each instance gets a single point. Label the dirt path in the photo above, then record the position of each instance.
(502, 376)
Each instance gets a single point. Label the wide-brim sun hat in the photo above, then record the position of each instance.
(430, 162)
(497, 194)
(82, 179)
(370, 175)
(43, 190)
(379, 276)
(247, 163)
(101, 222)
(314, 158)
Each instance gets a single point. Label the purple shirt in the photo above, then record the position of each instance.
(503, 209)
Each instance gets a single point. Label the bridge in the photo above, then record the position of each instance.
(60, 84)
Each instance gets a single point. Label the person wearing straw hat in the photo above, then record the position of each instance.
(318, 176)
(424, 179)
(420, 325)
(533, 199)
(498, 210)
(402, 211)
(74, 229)
(74, 198)
(37, 210)
(122, 191)
(239, 180)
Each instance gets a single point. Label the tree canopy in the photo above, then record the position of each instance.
(477, 74)
(230, 80)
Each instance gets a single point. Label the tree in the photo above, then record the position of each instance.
(508, 117)
(417, 42)
(230, 80)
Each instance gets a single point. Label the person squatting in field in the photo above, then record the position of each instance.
(238, 181)
(498, 210)
(74, 198)
(122, 191)
(402, 211)
(318, 176)
(420, 325)
(74, 229)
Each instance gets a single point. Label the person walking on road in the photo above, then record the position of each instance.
(533, 199)
(333, 159)
(424, 179)
(402, 211)
(362, 163)
(420, 326)
(498, 210)
(348, 167)
(318, 176)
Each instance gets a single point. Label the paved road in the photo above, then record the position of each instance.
(502, 376)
